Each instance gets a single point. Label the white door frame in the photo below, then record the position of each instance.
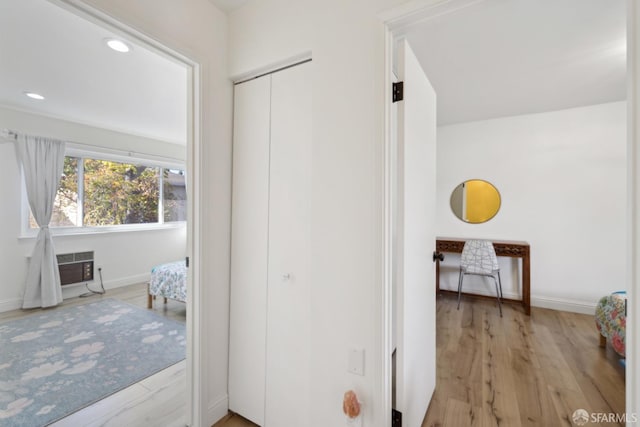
(633, 214)
(396, 22)
(194, 164)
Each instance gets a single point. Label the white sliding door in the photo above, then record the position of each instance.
(416, 189)
(249, 248)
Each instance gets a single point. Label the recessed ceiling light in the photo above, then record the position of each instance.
(34, 95)
(118, 45)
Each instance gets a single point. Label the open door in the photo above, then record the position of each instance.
(415, 184)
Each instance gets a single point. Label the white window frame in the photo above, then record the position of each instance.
(100, 153)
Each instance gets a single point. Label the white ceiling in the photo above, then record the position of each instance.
(46, 49)
(494, 58)
(500, 58)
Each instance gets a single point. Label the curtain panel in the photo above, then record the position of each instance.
(42, 162)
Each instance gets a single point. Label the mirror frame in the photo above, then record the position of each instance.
(458, 192)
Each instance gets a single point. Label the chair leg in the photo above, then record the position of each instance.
(603, 341)
(500, 283)
(498, 295)
(460, 277)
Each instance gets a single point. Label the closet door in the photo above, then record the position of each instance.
(287, 360)
(249, 249)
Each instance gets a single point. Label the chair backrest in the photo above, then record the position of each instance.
(479, 257)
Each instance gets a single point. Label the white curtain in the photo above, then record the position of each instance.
(42, 162)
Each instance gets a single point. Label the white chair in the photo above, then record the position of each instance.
(479, 258)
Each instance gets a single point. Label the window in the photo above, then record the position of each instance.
(104, 193)
(120, 193)
(174, 195)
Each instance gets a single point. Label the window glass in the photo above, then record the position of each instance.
(174, 193)
(94, 193)
(119, 193)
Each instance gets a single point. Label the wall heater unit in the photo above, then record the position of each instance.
(76, 267)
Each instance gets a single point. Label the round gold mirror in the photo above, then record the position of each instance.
(475, 201)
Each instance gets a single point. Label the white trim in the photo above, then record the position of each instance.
(125, 281)
(197, 409)
(97, 152)
(76, 289)
(561, 304)
(386, 309)
(553, 303)
(58, 232)
(218, 409)
(633, 212)
(196, 307)
(274, 66)
(417, 12)
(75, 149)
(72, 291)
(10, 304)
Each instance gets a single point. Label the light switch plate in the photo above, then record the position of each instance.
(356, 361)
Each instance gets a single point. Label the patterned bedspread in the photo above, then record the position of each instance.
(169, 280)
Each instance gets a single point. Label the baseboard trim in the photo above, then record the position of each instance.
(218, 410)
(484, 293)
(72, 291)
(10, 304)
(561, 304)
(125, 281)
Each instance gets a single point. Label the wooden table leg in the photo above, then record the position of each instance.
(149, 298)
(526, 284)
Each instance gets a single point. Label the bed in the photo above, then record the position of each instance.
(168, 281)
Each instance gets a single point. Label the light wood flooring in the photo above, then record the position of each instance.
(512, 371)
(519, 370)
(158, 400)
(516, 370)
(234, 420)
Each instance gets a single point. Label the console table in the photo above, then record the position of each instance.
(504, 248)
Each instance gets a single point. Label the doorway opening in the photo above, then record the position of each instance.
(398, 25)
(133, 141)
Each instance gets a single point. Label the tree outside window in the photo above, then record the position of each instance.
(112, 193)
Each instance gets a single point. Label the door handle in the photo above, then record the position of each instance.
(438, 256)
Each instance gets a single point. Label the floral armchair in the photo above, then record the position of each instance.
(611, 320)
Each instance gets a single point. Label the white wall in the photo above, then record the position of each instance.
(562, 179)
(197, 29)
(36, 124)
(125, 258)
(346, 40)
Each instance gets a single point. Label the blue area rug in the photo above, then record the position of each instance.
(56, 362)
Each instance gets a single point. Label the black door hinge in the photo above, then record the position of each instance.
(398, 91)
(186, 261)
(396, 418)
